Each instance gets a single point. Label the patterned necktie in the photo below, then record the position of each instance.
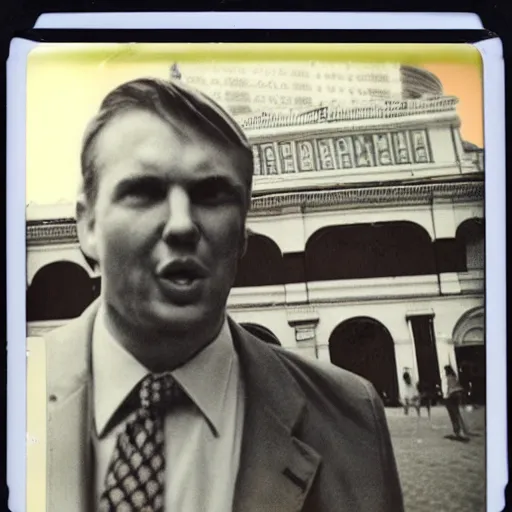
(136, 473)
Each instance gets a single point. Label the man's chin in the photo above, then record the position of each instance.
(178, 317)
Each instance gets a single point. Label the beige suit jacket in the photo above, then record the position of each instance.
(315, 437)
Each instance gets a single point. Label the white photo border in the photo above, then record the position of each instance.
(494, 134)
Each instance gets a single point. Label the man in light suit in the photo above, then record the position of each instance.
(157, 399)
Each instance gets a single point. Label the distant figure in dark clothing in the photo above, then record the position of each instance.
(453, 398)
(426, 396)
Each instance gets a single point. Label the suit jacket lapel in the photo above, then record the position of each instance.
(277, 469)
(69, 415)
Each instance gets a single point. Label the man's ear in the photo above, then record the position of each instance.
(85, 227)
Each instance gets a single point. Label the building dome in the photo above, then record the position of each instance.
(469, 146)
(417, 82)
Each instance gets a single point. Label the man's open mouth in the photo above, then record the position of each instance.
(182, 280)
(182, 272)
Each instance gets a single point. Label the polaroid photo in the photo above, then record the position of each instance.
(259, 275)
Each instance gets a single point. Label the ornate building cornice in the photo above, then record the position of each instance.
(50, 233)
(399, 195)
(63, 231)
(374, 110)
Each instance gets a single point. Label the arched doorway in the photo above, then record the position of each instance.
(471, 238)
(261, 332)
(358, 251)
(469, 342)
(364, 346)
(262, 263)
(60, 291)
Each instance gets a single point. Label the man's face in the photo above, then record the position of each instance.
(168, 224)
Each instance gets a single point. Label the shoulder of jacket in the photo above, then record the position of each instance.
(66, 344)
(60, 334)
(323, 373)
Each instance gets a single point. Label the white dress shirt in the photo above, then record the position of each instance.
(202, 443)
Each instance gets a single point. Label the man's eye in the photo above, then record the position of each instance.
(144, 192)
(213, 193)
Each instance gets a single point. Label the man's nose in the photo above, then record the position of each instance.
(180, 226)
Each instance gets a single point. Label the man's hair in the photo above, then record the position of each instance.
(175, 103)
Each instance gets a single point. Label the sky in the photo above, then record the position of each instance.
(66, 83)
(465, 82)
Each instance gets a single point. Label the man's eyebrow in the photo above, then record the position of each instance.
(133, 180)
(136, 177)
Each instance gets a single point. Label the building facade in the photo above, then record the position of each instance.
(366, 243)
(247, 87)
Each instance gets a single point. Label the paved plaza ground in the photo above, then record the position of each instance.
(439, 474)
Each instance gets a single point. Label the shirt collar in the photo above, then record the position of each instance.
(116, 372)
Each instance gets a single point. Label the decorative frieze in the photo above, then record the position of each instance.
(338, 152)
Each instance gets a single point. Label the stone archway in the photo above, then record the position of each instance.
(60, 291)
(358, 251)
(262, 263)
(471, 238)
(364, 346)
(469, 343)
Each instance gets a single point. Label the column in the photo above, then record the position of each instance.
(443, 218)
(414, 359)
(323, 354)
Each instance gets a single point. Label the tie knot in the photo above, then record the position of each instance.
(159, 391)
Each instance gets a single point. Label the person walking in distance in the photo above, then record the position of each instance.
(411, 396)
(453, 397)
(425, 395)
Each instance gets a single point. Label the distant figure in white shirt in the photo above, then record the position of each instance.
(411, 396)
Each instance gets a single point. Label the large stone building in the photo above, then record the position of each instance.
(366, 246)
(254, 87)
